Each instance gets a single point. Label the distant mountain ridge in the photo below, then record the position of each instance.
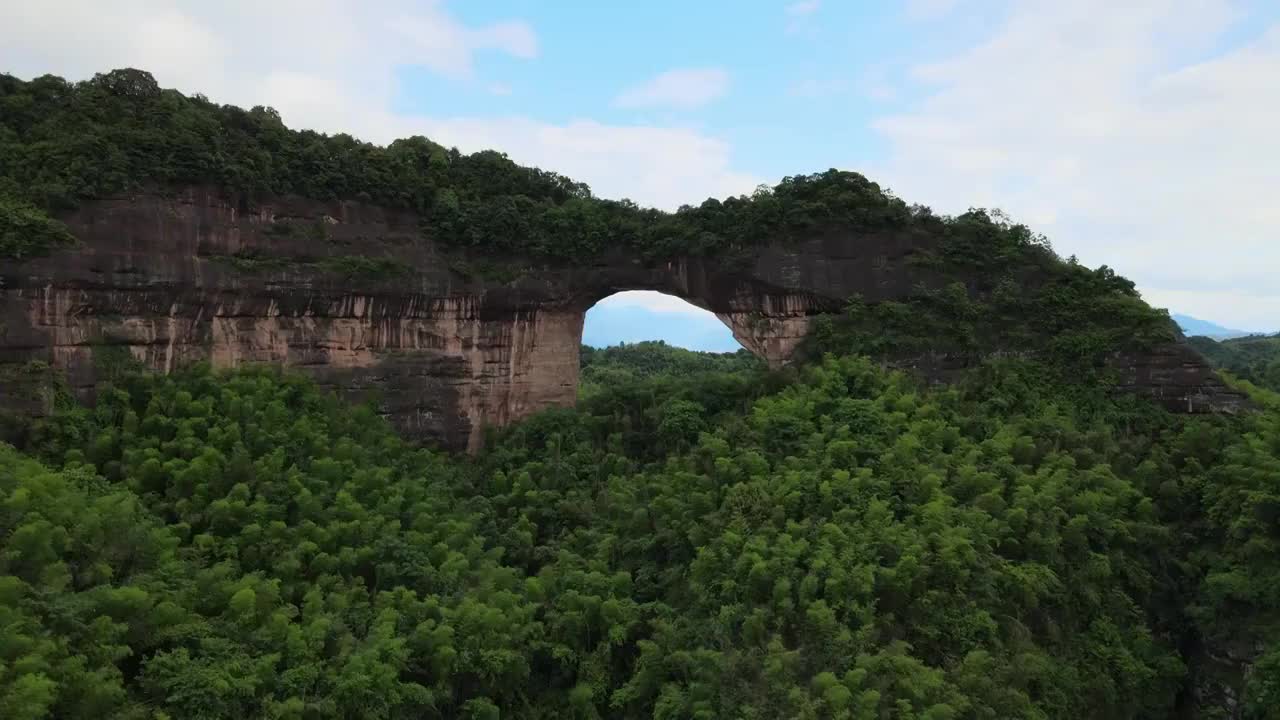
(609, 324)
(1193, 326)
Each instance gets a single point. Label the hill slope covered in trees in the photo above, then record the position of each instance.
(710, 542)
(700, 538)
(1255, 358)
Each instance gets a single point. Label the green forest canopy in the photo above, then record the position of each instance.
(1255, 358)
(700, 539)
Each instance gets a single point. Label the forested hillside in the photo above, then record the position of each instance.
(612, 367)
(63, 143)
(1255, 358)
(699, 539)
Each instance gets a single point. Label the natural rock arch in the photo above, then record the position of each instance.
(770, 321)
(450, 344)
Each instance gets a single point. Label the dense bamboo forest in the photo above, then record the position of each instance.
(695, 540)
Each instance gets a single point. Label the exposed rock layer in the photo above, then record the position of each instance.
(446, 353)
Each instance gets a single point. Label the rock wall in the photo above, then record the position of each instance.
(192, 276)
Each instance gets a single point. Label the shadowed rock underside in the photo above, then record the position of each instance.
(445, 350)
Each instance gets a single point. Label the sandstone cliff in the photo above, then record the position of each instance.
(447, 345)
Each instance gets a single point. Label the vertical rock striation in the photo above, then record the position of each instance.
(357, 297)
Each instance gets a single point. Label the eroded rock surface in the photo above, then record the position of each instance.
(446, 352)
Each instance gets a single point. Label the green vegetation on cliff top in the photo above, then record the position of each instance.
(64, 143)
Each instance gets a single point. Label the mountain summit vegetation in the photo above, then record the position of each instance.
(63, 143)
(700, 538)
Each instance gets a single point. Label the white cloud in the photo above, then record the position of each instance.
(803, 8)
(515, 38)
(655, 302)
(685, 88)
(1264, 315)
(924, 10)
(1086, 119)
(331, 65)
(640, 315)
(662, 167)
(798, 12)
(872, 82)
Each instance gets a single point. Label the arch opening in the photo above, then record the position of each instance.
(634, 316)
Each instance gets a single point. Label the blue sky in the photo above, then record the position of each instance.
(639, 315)
(1137, 134)
(792, 87)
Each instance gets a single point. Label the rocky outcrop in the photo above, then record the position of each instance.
(356, 296)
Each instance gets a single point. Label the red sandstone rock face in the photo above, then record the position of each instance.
(444, 354)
